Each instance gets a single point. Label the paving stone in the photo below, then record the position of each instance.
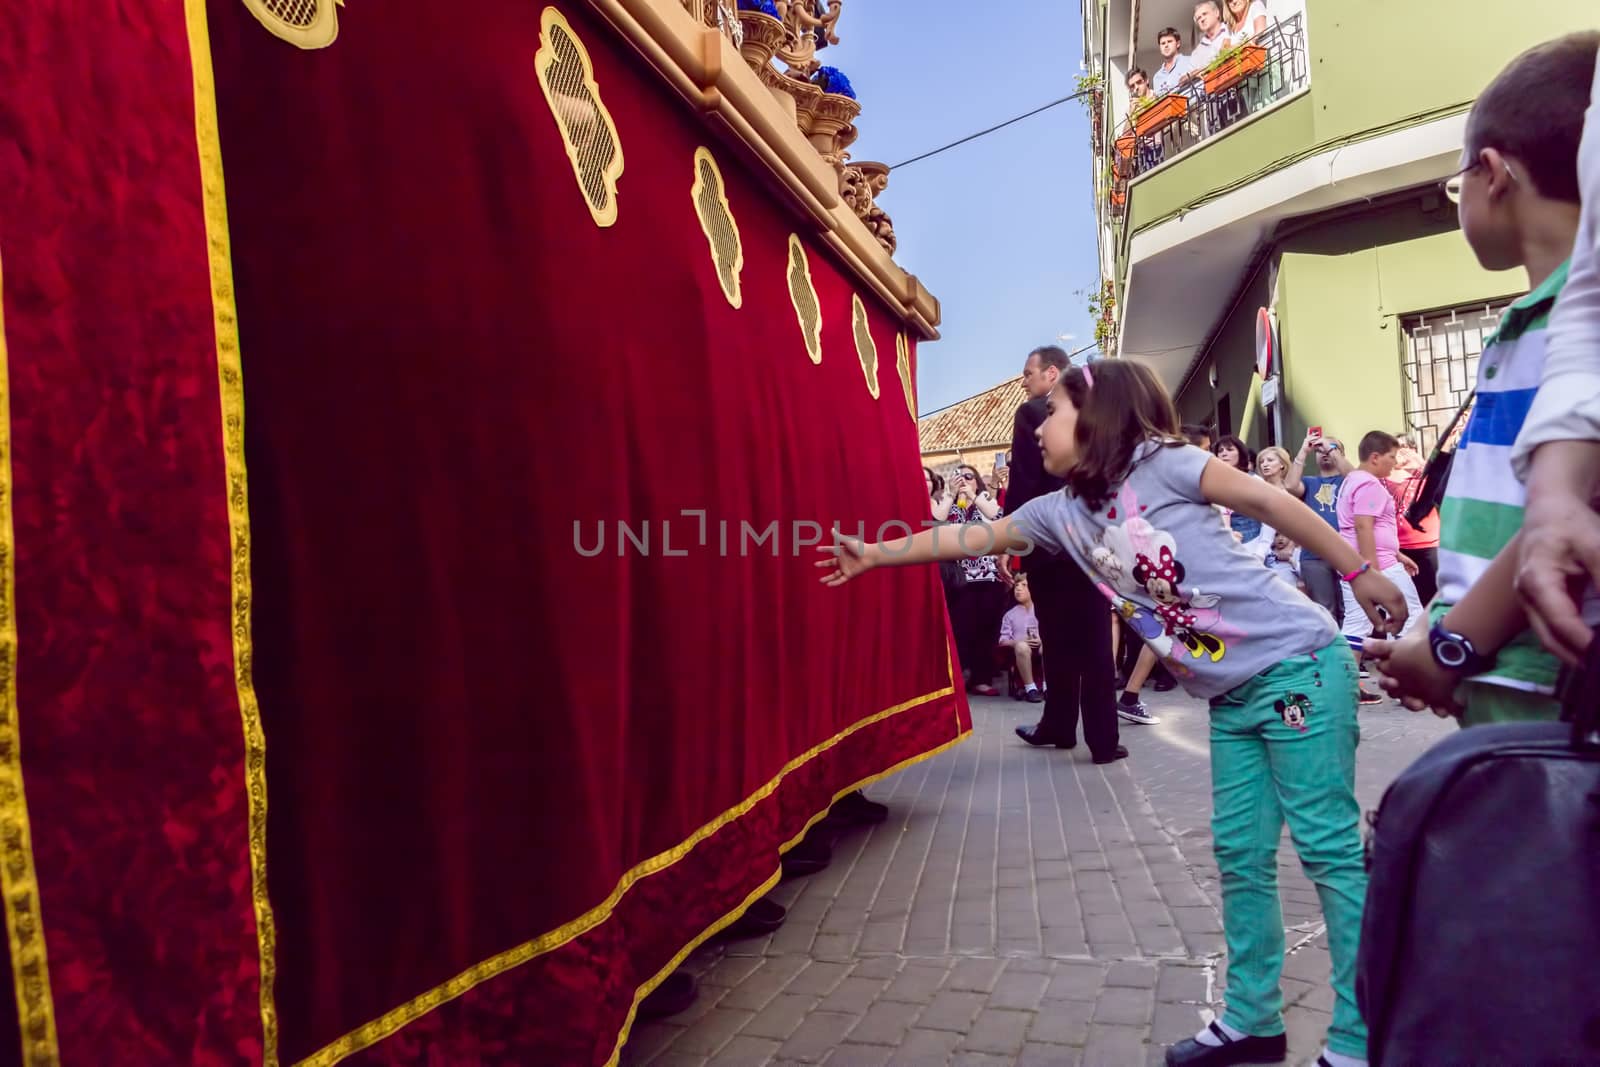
(880, 967)
(1037, 1054)
(1076, 981)
(1178, 983)
(952, 1011)
(712, 1032)
(746, 1051)
(758, 988)
(1061, 1022)
(1018, 990)
(998, 1031)
(833, 946)
(818, 1035)
(1114, 1046)
(818, 979)
(1124, 1007)
(917, 983)
(730, 971)
(923, 1047)
(853, 1055)
(853, 996)
(1173, 1023)
(975, 975)
(885, 1023)
(781, 1016)
(1197, 920)
(1131, 974)
(980, 1059)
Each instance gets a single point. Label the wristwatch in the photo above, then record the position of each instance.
(1455, 653)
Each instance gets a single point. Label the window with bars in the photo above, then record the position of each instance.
(1440, 364)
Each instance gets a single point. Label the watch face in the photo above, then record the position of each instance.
(1450, 653)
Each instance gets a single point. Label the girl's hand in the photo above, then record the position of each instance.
(1407, 670)
(1374, 591)
(1410, 565)
(846, 558)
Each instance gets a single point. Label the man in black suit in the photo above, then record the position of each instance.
(1074, 619)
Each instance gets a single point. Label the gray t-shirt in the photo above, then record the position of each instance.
(1207, 606)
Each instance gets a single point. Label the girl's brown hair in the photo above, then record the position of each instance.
(1124, 407)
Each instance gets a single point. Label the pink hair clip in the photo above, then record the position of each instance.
(1088, 375)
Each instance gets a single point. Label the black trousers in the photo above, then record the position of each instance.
(1427, 579)
(975, 613)
(1075, 628)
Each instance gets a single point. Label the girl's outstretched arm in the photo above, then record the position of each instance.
(850, 556)
(1221, 484)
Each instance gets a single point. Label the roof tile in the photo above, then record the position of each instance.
(985, 419)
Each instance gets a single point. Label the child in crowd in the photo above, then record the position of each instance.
(1284, 561)
(1019, 635)
(1137, 516)
(1517, 194)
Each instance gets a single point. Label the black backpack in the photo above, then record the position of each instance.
(1481, 939)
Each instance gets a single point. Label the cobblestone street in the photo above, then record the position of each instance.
(1020, 906)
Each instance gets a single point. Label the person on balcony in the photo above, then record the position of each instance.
(1151, 151)
(1170, 76)
(1213, 37)
(1245, 19)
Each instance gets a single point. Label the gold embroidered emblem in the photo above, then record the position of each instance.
(567, 77)
(807, 308)
(902, 363)
(866, 347)
(303, 23)
(716, 219)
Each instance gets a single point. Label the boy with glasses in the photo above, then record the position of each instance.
(1517, 194)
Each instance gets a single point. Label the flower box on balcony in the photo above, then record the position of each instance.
(1125, 145)
(1161, 114)
(1234, 67)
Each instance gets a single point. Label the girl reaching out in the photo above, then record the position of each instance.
(1137, 515)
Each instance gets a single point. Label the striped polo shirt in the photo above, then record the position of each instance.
(1483, 504)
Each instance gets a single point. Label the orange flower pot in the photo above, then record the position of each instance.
(1125, 145)
(1161, 114)
(1236, 68)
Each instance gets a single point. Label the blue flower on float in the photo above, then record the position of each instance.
(832, 80)
(765, 7)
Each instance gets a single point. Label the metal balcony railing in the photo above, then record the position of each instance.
(1246, 80)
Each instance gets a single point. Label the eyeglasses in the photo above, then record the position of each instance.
(1452, 184)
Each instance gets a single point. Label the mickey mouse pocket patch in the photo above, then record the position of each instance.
(1293, 709)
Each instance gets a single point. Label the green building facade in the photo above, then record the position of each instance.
(1309, 190)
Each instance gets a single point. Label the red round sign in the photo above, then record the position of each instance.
(1266, 344)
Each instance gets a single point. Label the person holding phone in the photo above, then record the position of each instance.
(977, 604)
(1320, 491)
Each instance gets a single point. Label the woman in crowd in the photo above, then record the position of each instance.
(980, 598)
(1236, 454)
(1243, 20)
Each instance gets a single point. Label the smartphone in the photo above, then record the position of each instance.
(1316, 431)
(999, 461)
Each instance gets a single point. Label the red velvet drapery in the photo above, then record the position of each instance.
(507, 781)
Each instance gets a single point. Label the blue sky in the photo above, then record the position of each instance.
(1001, 230)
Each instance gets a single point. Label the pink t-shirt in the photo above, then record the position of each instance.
(1363, 494)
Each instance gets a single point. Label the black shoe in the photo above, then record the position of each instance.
(1117, 753)
(808, 857)
(758, 920)
(1191, 1053)
(1033, 696)
(1163, 684)
(1036, 736)
(670, 997)
(854, 809)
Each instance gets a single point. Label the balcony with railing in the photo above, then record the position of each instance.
(1242, 81)
(1139, 133)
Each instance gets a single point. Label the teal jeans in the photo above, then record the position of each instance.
(1283, 746)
